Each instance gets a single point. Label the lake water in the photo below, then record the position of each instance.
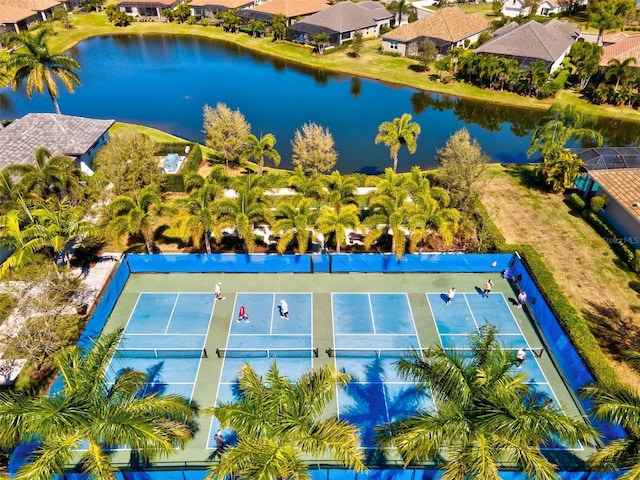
(164, 82)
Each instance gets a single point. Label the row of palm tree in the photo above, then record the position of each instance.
(486, 417)
(401, 204)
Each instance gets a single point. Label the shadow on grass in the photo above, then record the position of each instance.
(526, 176)
(615, 332)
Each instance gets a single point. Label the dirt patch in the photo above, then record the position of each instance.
(583, 264)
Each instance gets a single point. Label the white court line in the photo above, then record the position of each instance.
(377, 334)
(166, 329)
(132, 312)
(166, 334)
(471, 311)
(373, 322)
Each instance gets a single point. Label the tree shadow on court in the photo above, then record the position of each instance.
(154, 384)
(616, 332)
(371, 404)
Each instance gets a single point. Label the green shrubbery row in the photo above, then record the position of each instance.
(625, 251)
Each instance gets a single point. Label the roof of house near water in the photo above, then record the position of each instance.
(35, 5)
(10, 14)
(292, 8)
(59, 134)
(348, 16)
(623, 185)
(621, 47)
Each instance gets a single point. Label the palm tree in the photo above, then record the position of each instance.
(34, 63)
(337, 221)
(621, 71)
(339, 190)
(295, 218)
(195, 215)
(279, 421)
(48, 175)
(486, 415)
(259, 148)
(401, 8)
(91, 414)
(136, 214)
(62, 226)
(309, 186)
(429, 216)
(559, 169)
(388, 214)
(248, 207)
(22, 238)
(400, 131)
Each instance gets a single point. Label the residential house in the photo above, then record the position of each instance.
(292, 9)
(446, 28)
(342, 21)
(620, 46)
(209, 8)
(16, 19)
(532, 41)
(146, 8)
(76, 137)
(614, 173)
(520, 8)
(17, 15)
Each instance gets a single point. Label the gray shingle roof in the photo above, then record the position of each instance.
(60, 134)
(347, 16)
(533, 40)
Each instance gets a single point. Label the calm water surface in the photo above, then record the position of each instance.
(164, 82)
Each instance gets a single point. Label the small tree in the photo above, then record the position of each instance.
(427, 53)
(167, 13)
(182, 12)
(226, 131)
(279, 26)
(462, 164)
(321, 40)
(313, 149)
(357, 44)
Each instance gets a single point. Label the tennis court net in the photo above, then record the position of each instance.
(368, 352)
(267, 352)
(161, 353)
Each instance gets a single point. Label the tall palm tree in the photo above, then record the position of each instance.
(249, 206)
(429, 215)
(195, 216)
(295, 218)
(259, 149)
(48, 176)
(485, 416)
(338, 221)
(339, 190)
(401, 8)
(34, 63)
(388, 215)
(90, 415)
(136, 214)
(280, 422)
(400, 131)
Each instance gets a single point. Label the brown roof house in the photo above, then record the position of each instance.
(77, 137)
(447, 28)
(620, 47)
(209, 8)
(341, 22)
(146, 8)
(17, 15)
(292, 9)
(532, 41)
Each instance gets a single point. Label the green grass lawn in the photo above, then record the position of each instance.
(370, 64)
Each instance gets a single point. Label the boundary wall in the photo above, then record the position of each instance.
(570, 363)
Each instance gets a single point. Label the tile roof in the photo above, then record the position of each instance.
(534, 40)
(450, 24)
(292, 8)
(9, 14)
(164, 3)
(622, 185)
(627, 48)
(220, 3)
(614, 37)
(60, 134)
(347, 16)
(35, 5)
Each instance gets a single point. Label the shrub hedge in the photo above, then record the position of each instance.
(174, 182)
(576, 202)
(618, 243)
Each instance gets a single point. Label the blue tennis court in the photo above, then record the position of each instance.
(267, 336)
(165, 337)
(371, 330)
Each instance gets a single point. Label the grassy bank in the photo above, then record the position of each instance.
(370, 64)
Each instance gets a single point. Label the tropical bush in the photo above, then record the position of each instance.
(596, 203)
(616, 241)
(576, 202)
